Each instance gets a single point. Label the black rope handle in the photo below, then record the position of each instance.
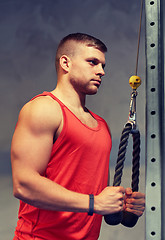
(126, 218)
(129, 219)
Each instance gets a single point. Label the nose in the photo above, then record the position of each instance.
(101, 71)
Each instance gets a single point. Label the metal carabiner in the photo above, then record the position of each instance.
(134, 82)
(132, 107)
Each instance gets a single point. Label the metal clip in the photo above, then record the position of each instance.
(132, 110)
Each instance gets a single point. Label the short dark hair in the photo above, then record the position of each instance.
(79, 38)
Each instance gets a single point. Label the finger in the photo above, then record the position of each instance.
(122, 205)
(128, 191)
(119, 199)
(121, 189)
(136, 212)
(138, 195)
(120, 193)
(135, 200)
(135, 207)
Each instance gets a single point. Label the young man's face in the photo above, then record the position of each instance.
(87, 68)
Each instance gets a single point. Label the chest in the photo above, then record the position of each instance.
(87, 119)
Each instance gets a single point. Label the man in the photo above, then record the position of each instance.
(60, 153)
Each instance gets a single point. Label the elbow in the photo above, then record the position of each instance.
(18, 191)
(23, 192)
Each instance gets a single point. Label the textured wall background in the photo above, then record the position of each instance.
(29, 34)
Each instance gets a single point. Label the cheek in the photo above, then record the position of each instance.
(76, 71)
(80, 75)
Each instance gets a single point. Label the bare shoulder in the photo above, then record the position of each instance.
(42, 113)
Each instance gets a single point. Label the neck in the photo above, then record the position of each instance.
(69, 96)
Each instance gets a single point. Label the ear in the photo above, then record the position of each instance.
(64, 62)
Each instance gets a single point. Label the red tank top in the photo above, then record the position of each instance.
(79, 161)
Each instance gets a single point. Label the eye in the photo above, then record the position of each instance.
(93, 62)
(103, 66)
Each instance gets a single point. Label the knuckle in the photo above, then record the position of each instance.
(120, 197)
(120, 202)
(132, 200)
(119, 208)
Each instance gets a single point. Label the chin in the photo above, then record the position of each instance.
(92, 92)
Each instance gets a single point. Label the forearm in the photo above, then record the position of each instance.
(46, 194)
(36, 190)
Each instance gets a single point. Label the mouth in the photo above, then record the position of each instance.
(96, 82)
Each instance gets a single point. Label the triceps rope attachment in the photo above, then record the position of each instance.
(130, 127)
(126, 218)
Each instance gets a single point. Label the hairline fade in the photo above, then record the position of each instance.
(90, 41)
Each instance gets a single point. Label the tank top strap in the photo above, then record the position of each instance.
(45, 93)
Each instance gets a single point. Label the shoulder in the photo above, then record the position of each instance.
(42, 113)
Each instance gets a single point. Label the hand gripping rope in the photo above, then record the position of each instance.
(126, 218)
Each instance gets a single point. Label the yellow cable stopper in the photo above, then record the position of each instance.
(134, 82)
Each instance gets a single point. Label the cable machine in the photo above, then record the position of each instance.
(155, 166)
